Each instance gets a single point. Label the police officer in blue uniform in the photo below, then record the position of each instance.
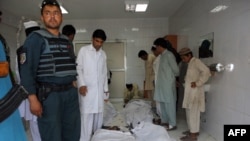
(47, 71)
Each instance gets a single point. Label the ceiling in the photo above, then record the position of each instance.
(92, 9)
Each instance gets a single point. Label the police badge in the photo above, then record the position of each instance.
(22, 58)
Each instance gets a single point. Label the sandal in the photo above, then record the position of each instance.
(186, 132)
(184, 137)
(188, 138)
(170, 128)
(165, 125)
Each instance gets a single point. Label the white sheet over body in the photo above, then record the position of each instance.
(112, 135)
(109, 113)
(137, 111)
(147, 131)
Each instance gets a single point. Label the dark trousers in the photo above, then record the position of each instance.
(60, 120)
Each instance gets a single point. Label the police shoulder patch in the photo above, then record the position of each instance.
(22, 58)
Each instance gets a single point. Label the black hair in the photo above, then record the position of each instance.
(167, 45)
(161, 42)
(142, 53)
(68, 30)
(153, 48)
(51, 3)
(129, 86)
(99, 33)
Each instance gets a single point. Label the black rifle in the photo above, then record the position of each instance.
(11, 101)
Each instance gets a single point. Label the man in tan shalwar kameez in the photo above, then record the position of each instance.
(194, 96)
(131, 92)
(149, 73)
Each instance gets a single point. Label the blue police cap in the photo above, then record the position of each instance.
(50, 2)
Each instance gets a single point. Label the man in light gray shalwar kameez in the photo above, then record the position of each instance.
(165, 87)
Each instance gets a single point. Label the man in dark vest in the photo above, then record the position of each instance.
(47, 71)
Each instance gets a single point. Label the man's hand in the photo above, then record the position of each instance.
(35, 105)
(83, 90)
(193, 84)
(74, 84)
(106, 96)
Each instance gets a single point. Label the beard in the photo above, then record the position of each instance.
(52, 24)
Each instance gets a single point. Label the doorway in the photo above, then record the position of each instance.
(115, 52)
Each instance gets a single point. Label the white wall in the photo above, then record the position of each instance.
(116, 30)
(121, 30)
(228, 99)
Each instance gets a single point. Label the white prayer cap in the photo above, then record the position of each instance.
(30, 24)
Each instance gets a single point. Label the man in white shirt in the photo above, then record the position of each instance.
(92, 84)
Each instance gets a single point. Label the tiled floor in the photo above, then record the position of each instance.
(176, 134)
(182, 126)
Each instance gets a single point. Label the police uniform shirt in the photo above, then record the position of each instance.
(32, 49)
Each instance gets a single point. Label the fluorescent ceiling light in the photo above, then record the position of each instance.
(130, 7)
(141, 7)
(219, 8)
(136, 5)
(135, 29)
(64, 11)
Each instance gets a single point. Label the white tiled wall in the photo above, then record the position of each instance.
(228, 101)
(116, 30)
(121, 30)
